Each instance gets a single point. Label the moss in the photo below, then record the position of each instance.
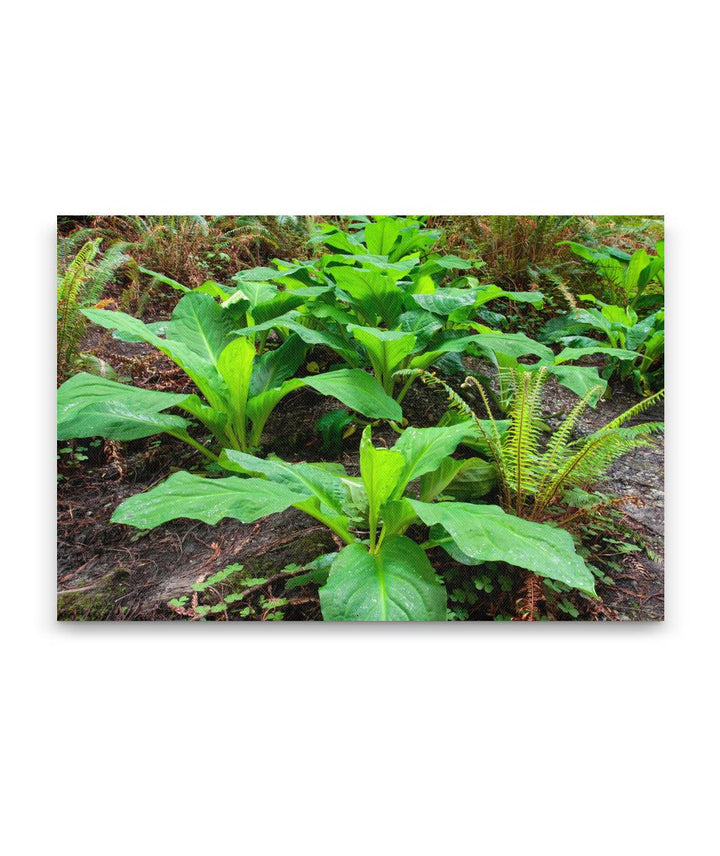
(96, 604)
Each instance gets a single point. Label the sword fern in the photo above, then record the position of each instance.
(533, 475)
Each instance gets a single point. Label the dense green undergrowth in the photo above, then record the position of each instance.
(489, 485)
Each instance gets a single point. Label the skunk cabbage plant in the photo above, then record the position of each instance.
(380, 574)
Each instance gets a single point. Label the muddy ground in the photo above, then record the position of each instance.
(112, 572)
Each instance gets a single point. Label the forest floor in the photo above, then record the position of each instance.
(111, 572)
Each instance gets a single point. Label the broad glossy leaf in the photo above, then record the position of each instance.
(508, 344)
(435, 268)
(425, 448)
(325, 485)
(492, 343)
(202, 325)
(467, 479)
(386, 348)
(194, 343)
(396, 270)
(424, 325)
(294, 321)
(209, 500)
(447, 300)
(413, 239)
(216, 420)
(337, 240)
(397, 515)
(582, 251)
(568, 354)
(487, 534)
(358, 390)
(256, 274)
(274, 367)
(214, 289)
(235, 365)
(639, 261)
(534, 298)
(580, 380)
(254, 292)
(380, 470)
(165, 280)
(373, 291)
(91, 406)
(397, 584)
(381, 235)
(352, 387)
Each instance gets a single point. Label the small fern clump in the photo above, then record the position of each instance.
(79, 285)
(534, 475)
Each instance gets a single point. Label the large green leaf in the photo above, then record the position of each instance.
(423, 325)
(381, 235)
(467, 479)
(575, 353)
(274, 367)
(396, 270)
(425, 448)
(235, 365)
(580, 380)
(358, 390)
(380, 470)
(91, 406)
(397, 584)
(486, 533)
(336, 240)
(209, 500)
(386, 349)
(372, 291)
(491, 343)
(447, 300)
(294, 321)
(639, 261)
(202, 325)
(325, 485)
(165, 280)
(352, 387)
(194, 342)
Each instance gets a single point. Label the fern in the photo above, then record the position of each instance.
(71, 293)
(531, 478)
(586, 461)
(521, 442)
(80, 285)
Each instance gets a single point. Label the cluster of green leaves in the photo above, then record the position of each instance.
(381, 300)
(380, 307)
(219, 602)
(381, 573)
(238, 389)
(636, 279)
(635, 346)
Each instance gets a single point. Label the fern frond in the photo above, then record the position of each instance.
(70, 292)
(636, 410)
(456, 403)
(596, 454)
(557, 448)
(521, 441)
(462, 411)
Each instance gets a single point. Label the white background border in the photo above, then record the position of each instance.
(292, 739)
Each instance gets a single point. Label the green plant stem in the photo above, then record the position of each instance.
(342, 532)
(194, 443)
(403, 392)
